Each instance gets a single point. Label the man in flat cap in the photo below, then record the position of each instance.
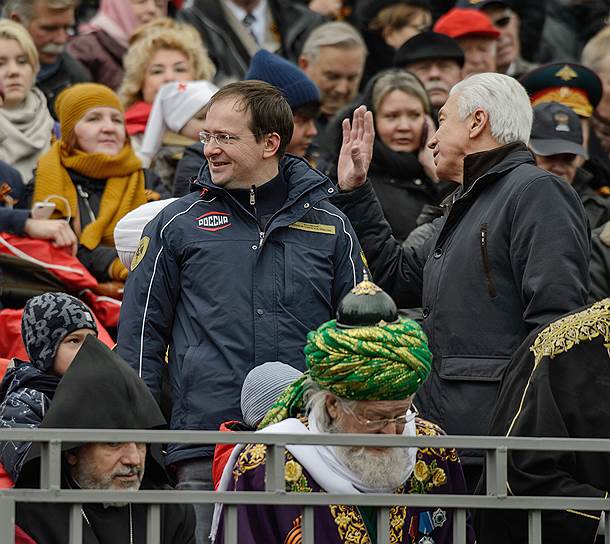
(436, 59)
(556, 142)
(363, 371)
(476, 35)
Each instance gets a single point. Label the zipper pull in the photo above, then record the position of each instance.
(261, 238)
(252, 195)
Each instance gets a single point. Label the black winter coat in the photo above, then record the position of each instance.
(510, 255)
(294, 22)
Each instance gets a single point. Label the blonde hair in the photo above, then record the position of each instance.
(9, 30)
(399, 80)
(396, 17)
(147, 40)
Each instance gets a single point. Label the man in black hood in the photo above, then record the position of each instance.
(100, 391)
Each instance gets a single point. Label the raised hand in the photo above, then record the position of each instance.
(356, 150)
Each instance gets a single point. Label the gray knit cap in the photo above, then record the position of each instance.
(47, 320)
(262, 386)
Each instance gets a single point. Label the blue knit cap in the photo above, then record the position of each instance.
(296, 87)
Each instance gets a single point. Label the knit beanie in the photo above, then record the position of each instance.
(176, 103)
(261, 388)
(296, 87)
(73, 102)
(128, 230)
(47, 320)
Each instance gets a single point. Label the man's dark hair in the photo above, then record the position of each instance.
(311, 110)
(269, 110)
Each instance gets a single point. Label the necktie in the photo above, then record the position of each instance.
(248, 21)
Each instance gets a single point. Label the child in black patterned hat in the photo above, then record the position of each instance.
(53, 328)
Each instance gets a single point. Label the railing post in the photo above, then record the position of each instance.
(459, 526)
(7, 520)
(383, 525)
(308, 525)
(534, 526)
(153, 523)
(76, 524)
(274, 469)
(50, 465)
(496, 461)
(230, 523)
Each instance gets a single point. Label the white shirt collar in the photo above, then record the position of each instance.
(260, 17)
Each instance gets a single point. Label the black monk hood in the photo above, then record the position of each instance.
(99, 391)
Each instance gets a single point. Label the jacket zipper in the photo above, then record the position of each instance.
(85, 196)
(486, 265)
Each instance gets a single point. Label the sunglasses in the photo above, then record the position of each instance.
(502, 22)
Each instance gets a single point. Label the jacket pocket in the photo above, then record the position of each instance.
(467, 392)
(486, 264)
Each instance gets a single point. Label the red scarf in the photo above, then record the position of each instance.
(136, 117)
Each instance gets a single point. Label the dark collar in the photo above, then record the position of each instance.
(495, 160)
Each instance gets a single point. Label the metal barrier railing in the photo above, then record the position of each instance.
(496, 449)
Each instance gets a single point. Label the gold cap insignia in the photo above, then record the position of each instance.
(566, 73)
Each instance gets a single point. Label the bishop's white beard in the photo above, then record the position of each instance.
(378, 469)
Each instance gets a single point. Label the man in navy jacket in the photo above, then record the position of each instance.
(237, 274)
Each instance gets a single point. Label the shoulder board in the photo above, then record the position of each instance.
(563, 334)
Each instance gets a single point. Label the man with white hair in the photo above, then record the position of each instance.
(333, 57)
(509, 255)
(363, 371)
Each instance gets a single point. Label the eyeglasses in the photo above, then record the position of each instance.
(374, 425)
(502, 22)
(220, 137)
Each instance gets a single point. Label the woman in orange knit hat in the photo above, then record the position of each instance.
(92, 174)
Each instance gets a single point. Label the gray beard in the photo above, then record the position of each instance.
(85, 480)
(377, 469)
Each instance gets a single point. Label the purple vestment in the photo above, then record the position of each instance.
(436, 471)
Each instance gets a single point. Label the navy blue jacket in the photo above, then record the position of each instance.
(226, 297)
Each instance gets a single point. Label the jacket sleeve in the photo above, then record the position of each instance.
(23, 409)
(397, 271)
(13, 220)
(147, 313)
(97, 260)
(550, 250)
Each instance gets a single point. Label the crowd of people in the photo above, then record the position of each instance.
(308, 216)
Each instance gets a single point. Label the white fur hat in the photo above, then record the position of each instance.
(175, 105)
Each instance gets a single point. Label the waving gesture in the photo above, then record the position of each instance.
(356, 150)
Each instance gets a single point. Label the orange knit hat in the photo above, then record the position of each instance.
(73, 102)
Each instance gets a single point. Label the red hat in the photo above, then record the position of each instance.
(466, 23)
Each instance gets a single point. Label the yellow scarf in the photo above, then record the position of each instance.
(124, 190)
